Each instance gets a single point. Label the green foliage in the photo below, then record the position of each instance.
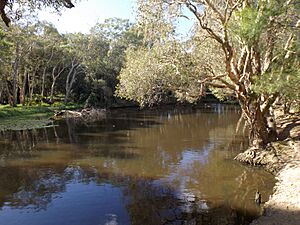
(254, 19)
(43, 59)
(287, 83)
(112, 29)
(5, 50)
(283, 76)
(153, 22)
(160, 73)
(17, 9)
(4, 43)
(105, 57)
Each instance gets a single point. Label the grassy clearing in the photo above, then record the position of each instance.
(29, 117)
(7, 111)
(24, 111)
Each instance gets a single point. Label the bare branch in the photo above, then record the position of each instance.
(200, 18)
(212, 6)
(246, 62)
(222, 86)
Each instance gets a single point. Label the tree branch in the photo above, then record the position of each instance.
(200, 18)
(212, 6)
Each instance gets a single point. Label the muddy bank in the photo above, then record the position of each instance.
(277, 154)
(273, 158)
(283, 206)
(282, 158)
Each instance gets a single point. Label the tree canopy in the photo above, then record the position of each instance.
(246, 48)
(38, 64)
(16, 7)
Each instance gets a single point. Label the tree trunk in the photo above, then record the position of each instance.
(1, 90)
(43, 83)
(71, 79)
(23, 88)
(54, 78)
(52, 90)
(69, 85)
(15, 74)
(30, 95)
(9, 91)
(44, 74)
(260, 133)
(31, 85)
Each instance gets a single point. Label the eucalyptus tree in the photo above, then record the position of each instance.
(17, 7)
(30, 45)
(58, 64)
(52, 42)
(5, 58)
(33, 63)
(158, 75)
(105, 56)
(75, 52)
(11, 53)
(20, 47)
(257, 42)
(161, 68)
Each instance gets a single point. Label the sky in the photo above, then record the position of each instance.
(87, 13)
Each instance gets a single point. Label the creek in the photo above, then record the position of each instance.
(143, 167)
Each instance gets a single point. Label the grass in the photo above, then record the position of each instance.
(29, 117)
(24, 111)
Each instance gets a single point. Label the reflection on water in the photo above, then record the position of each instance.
(136, 167)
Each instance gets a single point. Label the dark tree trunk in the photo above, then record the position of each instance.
(259, 134)
(260, 131)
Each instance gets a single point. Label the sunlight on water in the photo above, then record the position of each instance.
(171, 166)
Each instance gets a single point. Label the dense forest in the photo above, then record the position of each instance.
(38, 64)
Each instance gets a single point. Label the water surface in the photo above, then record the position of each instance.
(171, 166)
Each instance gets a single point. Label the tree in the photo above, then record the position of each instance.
(75, 51)
(18, 49)
(5, 58)
(105, 56)
(52, 41)
(257, 41)
(18, 6)
(156, 76)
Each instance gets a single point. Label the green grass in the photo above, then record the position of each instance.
(7, 111)
(24, 111)
(29, 117)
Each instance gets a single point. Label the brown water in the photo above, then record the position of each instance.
(171, 166)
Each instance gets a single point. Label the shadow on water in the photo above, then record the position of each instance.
(135, 167)
(146, 201)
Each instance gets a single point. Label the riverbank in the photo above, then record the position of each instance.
(28, 117)
(39, 116)
(283, 207)
(282, 158)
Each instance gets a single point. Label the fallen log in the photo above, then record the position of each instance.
(85, 114)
